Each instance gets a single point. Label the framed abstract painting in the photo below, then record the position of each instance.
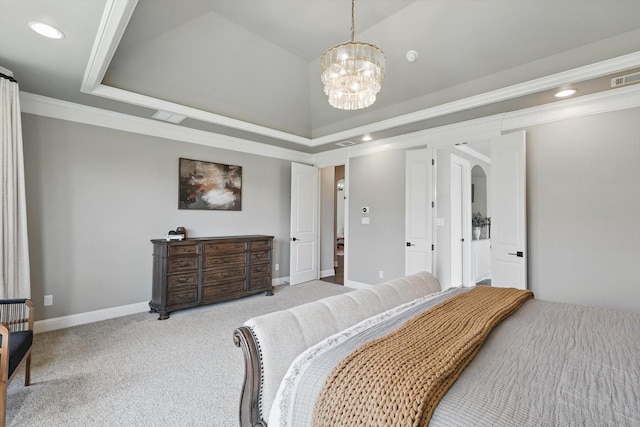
(209, 186)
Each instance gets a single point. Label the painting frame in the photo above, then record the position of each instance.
(204, 185)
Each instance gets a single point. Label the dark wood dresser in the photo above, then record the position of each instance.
(205, 270)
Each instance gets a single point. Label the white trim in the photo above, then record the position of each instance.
(591, 71)
(356, 285)
(89, 317)
(194, 113)
(115, 19)
(327, 273)
(482, 128)
(280, 281)
(118, 12)
(602, 102)
(50, 107)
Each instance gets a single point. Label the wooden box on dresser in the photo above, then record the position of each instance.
(205, 270)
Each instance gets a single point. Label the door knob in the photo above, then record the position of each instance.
(519, 254)
(410, 244)
(294, 239)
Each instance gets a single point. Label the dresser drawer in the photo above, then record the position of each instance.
(182, 297)
(260, 256)
(225, 247)
(263, 282)
(222, 290)
(223, 275)
(222, 261)
(260, 269)
(260, 244)
(177, 281)
(182, 264)
(183, 250)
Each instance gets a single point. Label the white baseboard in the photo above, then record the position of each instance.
(104, 314)
(280, 281)
(327, 273)
(356, 285)
(88, 317)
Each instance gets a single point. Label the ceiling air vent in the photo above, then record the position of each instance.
(168, 117)
(345, 143)
(625, 80)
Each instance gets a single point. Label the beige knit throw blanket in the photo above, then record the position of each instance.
(398, 379)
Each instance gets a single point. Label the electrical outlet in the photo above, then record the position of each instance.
(48, 300)
(381, 274)
(277, 267)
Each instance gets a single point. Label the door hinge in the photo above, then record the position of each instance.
(433, 204)
(433, 162)
(433, 247)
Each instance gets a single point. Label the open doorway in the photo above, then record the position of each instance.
(333, 242)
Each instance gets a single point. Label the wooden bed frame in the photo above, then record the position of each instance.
(249, 404)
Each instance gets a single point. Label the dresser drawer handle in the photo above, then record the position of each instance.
(226, 260)
(183, 280)
(225, 275)
(183, 297)
(258, 270)
(227, 289)
(259, 255)
(184, 264)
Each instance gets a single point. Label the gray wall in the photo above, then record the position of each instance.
(376, 181)
(583, 187)
(96, 196)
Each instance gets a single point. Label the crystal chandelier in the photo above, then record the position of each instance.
(352, 72)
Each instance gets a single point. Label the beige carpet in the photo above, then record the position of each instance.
(138, 371)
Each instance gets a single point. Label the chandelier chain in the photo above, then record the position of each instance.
(353, 19)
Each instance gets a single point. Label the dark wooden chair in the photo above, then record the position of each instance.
(16, 339)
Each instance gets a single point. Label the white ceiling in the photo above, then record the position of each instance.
(250, 68)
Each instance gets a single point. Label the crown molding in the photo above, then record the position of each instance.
(63, 110)
(602, 102)
(587, 72)
(472, 130)
(118, 12)
(194, 113)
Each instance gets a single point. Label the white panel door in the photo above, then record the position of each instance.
(418, 211)
(305, 236)
(508, 207)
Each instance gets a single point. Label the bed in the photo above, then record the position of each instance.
(540, 363)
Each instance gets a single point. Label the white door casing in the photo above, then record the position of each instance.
(508, 216)
(305, 236)
(418, 211)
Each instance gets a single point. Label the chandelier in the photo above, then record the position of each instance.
(352, 72)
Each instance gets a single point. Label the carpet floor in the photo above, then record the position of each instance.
(138, 371)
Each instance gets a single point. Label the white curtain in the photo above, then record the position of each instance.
(15, 281)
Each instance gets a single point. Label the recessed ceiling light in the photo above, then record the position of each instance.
(564, 93)
(367, 138)
(46, 30)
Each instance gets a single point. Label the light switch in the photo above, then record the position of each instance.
(365, 220)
